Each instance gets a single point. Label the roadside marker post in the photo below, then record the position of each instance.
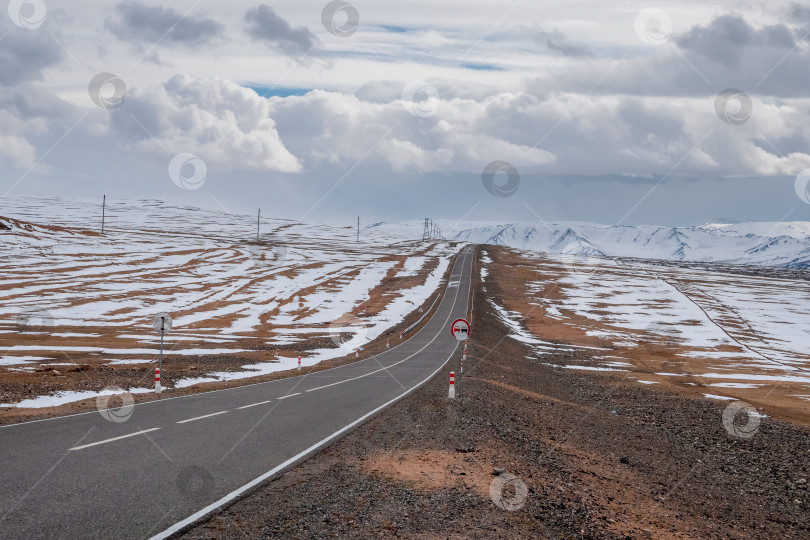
(162, 324)
(386, 343)
(452, 392)
(299, 363)
(462, 365)
(357, 353)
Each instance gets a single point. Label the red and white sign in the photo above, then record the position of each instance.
(460, 329)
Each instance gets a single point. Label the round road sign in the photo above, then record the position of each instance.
(460, 329)
(162, 322)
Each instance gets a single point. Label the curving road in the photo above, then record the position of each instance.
(176, 460)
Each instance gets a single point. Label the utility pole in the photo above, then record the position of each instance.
(103, 212)
(258, 224)
(358, 228)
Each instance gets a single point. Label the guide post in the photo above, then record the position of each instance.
(162, 324)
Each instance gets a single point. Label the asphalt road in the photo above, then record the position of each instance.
(175, 460)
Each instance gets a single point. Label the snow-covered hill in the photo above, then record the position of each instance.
(769, 244)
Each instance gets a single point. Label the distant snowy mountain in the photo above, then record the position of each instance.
(759, 243)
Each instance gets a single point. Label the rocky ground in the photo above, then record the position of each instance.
(534, 451)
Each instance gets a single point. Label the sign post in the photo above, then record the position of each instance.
(162, 324)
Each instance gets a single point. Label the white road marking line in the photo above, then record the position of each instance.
(368, 374)
(289, 395)
(254, 404)
(113, 439)
(328, 385)
(200, 417)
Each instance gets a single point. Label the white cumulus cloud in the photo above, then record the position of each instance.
(213, 118)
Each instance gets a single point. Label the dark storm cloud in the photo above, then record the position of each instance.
(799, 12)
(264, 24)
(24, 54)
(27, 102)
(728, 39)
(727, 52)
(557, 42)
(140, 23)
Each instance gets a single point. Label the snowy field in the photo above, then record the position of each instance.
(683, 326)
(69, 295)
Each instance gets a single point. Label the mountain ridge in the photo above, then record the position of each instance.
(785, 244)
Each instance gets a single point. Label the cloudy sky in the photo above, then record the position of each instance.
(614, 112)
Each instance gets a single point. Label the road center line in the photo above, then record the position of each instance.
(254, 404)
(289, 395)
(200, 417)
(113, 439)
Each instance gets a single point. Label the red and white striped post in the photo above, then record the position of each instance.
(299, 363)
(400, 335)
(464, 355)
(452, 393)
(357, 353)
(386, 343)
(157, 380)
